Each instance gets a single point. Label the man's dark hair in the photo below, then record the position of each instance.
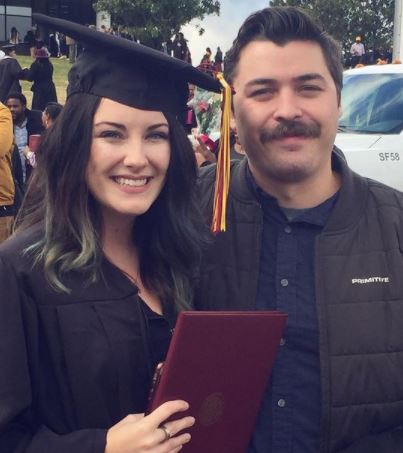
(282, 25)
(18, 96)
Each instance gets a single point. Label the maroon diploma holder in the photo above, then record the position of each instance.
(220, 363)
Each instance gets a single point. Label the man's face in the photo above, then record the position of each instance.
(17, 109)
(286, 111)
(191, 91)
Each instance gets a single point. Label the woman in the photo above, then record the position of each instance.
(41, 74)
(29, 40)
(51, 112)
(102, 260)
(14, 36)
(49, 115)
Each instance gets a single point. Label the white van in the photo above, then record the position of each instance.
(371, 126)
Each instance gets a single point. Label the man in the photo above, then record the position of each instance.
(218, 58)
(6, 178)
(72, 45)
(357, 52)
(9, 72)
(187, 117)
(26, 123)
(307, 236)
(179, 46)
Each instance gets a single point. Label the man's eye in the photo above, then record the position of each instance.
(262, 92)
(311, 88)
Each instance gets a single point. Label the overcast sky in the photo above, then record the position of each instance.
(220, 30)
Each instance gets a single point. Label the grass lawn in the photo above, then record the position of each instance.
(60, 70)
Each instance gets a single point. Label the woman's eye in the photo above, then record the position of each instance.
(158, 136)
(110, 134)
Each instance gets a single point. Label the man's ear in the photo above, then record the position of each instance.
(232, 123)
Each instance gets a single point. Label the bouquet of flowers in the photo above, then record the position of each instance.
(207, 108)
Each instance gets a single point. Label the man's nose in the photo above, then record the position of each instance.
(287, 106)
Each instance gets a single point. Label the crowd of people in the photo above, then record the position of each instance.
(112, 241)
(360, 56)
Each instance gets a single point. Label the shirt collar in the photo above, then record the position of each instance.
(23, 124)
(318, 215)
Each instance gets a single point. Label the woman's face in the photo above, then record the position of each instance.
(129, 158)
(45, 119)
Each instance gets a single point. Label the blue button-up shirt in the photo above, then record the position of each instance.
(289, 419)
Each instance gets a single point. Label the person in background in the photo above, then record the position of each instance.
(357, 52)
(179, 46)
(103, 259)
(188, 56)
(207, 55)
(14, 36)
(10, 70)
(218, 60)
(49, 115)
(7, 189)
(206, 65)
(64, 49)
(54, 45)
(72, 49)
(51, 112)
(25, 123)
(187, 116)
(29, 40)
(237, 152)
(41, 74)
(307, 236)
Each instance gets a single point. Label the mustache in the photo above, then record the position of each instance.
(290, 128)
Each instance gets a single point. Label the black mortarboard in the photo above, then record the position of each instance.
(128, 72)
(137, 76)
(8, 47)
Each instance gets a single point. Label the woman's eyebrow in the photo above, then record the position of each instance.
(157, 126)
(109, 123)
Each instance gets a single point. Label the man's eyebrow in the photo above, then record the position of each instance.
(308, 77)
(270, 81)
(261, 81)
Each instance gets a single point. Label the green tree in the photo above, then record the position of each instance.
(345, 19)
(157, 20)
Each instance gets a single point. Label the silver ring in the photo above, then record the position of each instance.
(166, 432)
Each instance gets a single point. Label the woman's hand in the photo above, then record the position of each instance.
(203, 154)
(139, 434)
(26, 151)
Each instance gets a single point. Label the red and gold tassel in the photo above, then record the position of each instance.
(223, 161)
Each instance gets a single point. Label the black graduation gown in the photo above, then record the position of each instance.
(72, 365)
(9, 72)
(41, 73)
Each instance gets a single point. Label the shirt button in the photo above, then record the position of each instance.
(284, 282)
(281, 403)
(287, 229)
(282, 342)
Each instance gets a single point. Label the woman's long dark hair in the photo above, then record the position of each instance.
(169, 236)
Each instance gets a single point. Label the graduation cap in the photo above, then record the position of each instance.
(126, 71)
(8, 47)
(138, 76)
